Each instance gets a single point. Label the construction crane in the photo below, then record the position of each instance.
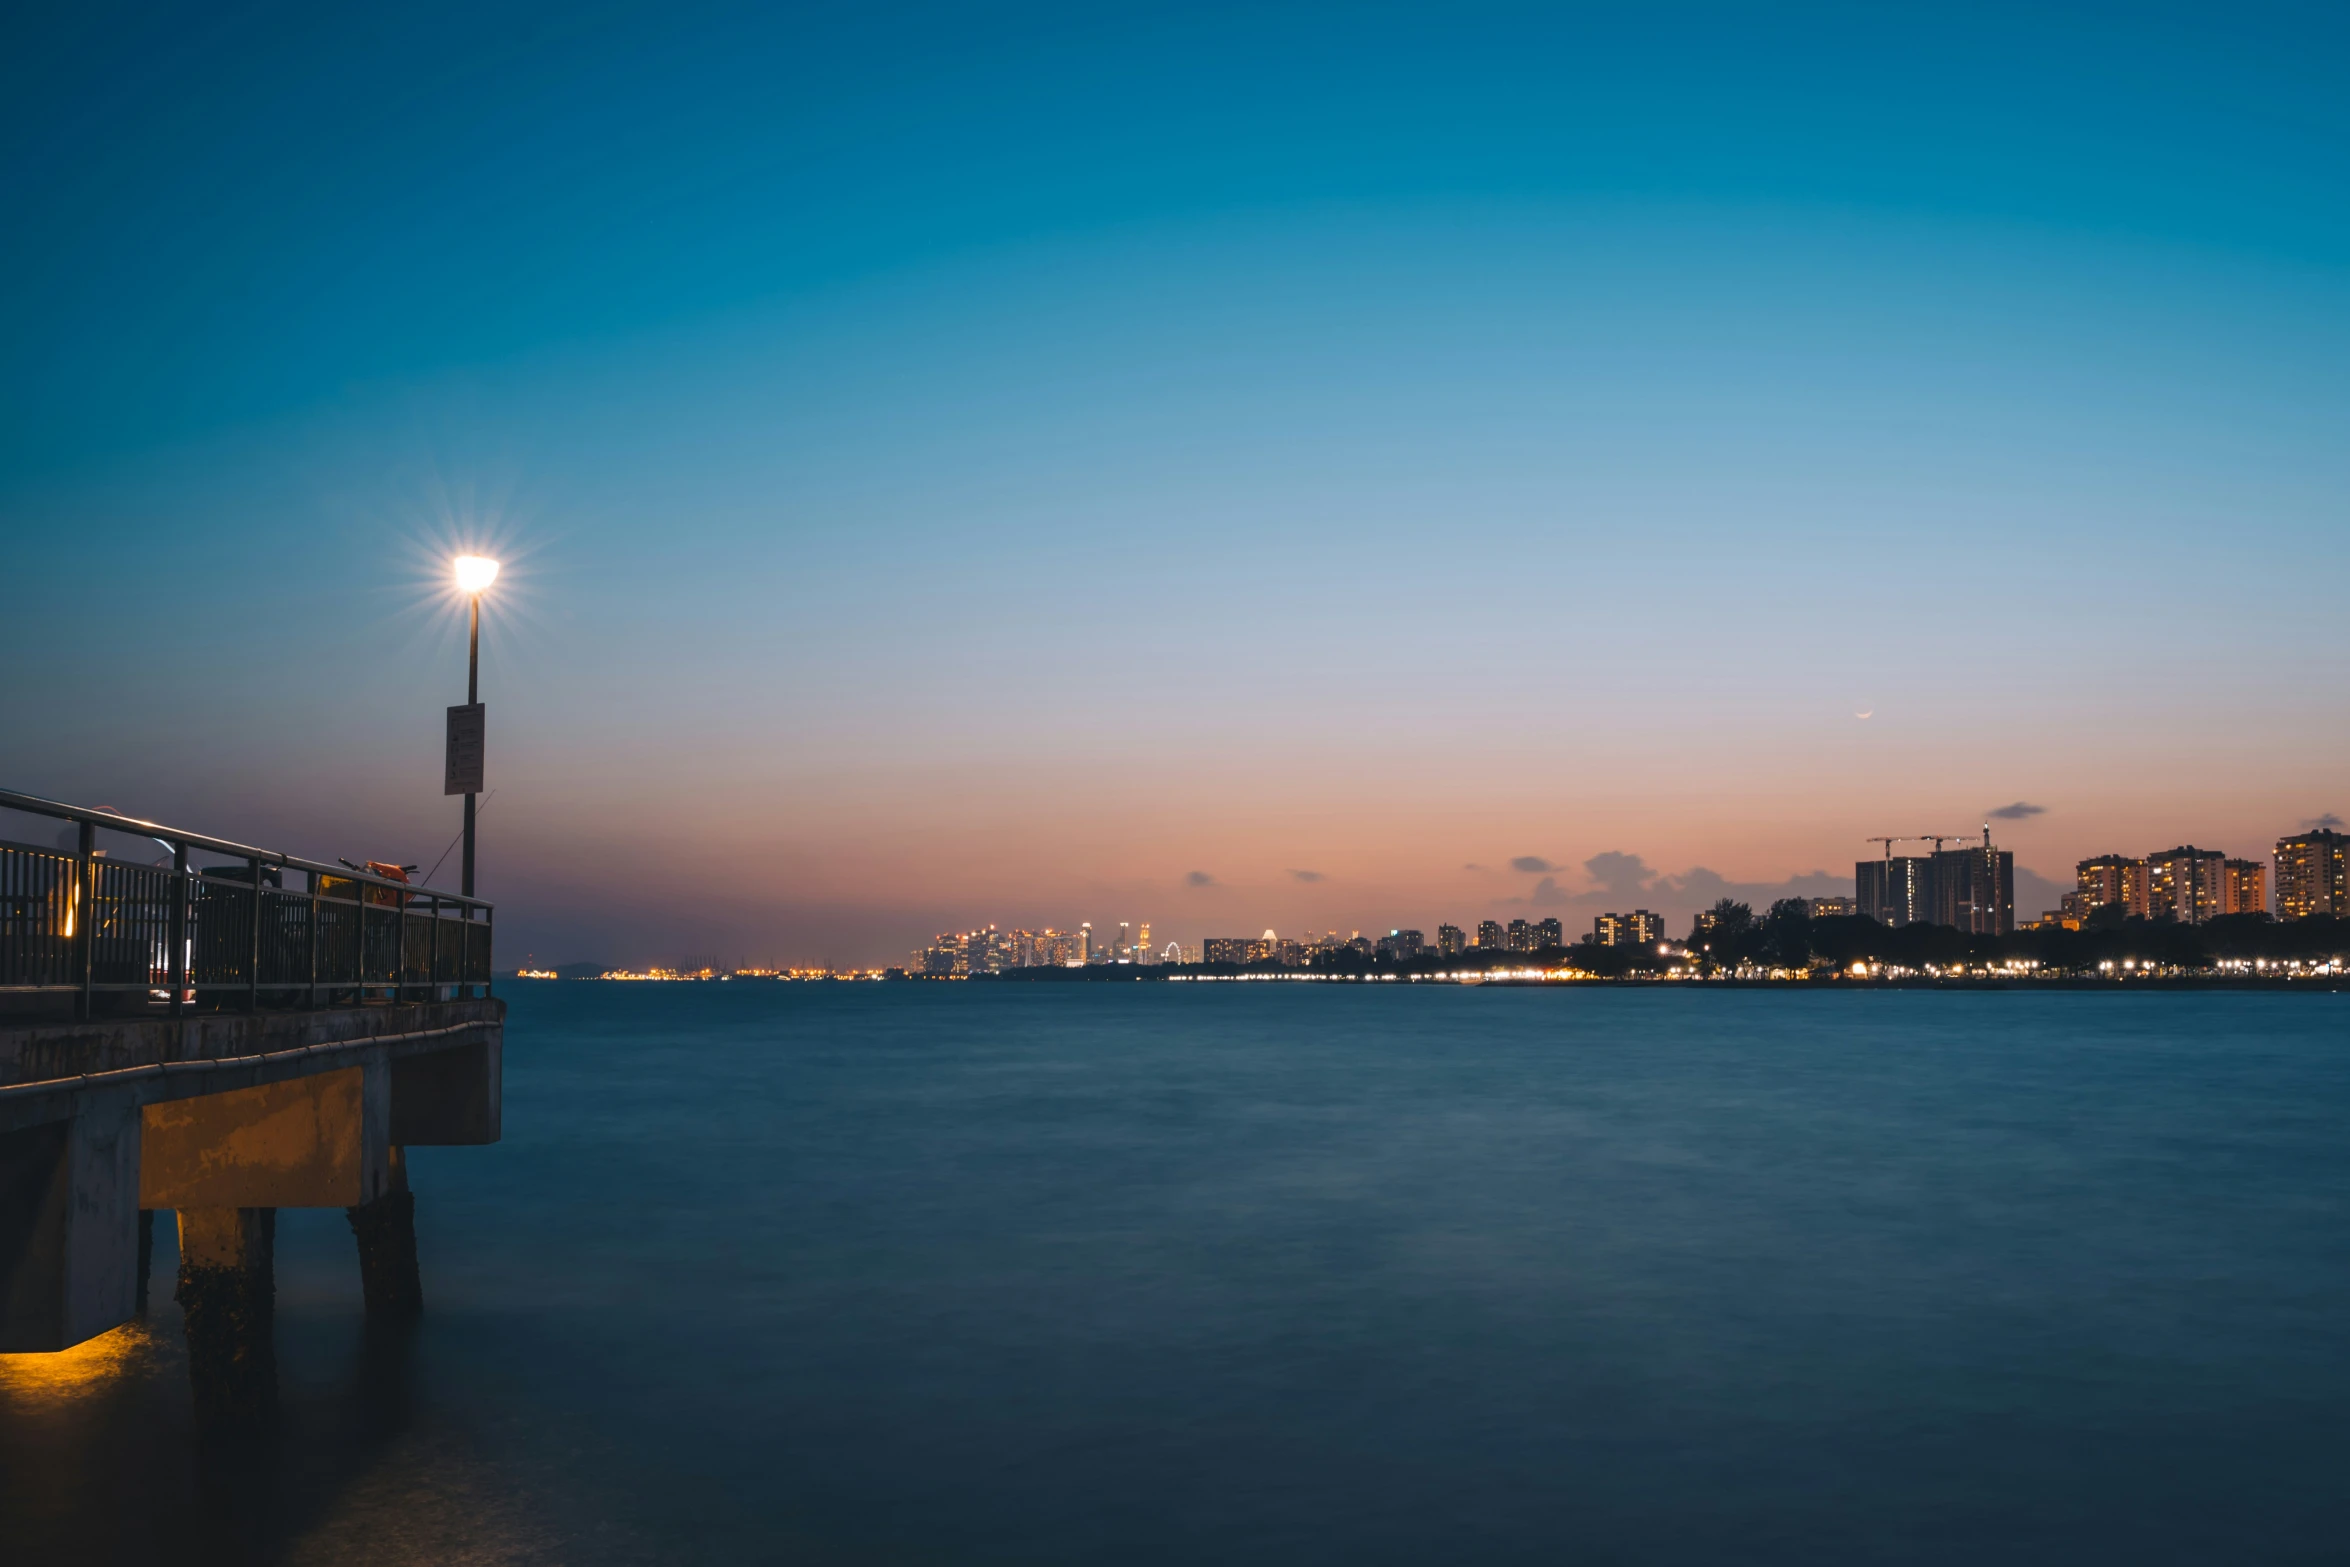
(1937, 839)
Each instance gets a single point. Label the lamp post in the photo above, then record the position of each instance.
(474, 574)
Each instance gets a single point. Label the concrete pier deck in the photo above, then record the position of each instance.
(211, 1115)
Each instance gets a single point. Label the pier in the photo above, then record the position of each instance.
(214, 1031)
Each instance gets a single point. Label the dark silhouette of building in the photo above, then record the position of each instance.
(1401, 944)
(1895, 890)
(1974, 889)
(1970, 889)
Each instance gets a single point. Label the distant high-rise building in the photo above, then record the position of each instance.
(2313, 874)
(2246, 888)
(1549, 933)
(2186, 884)
(1142, 943)
(1401, 944)
(951, 955)
(1895, 890)
(1519, 937)
(1834, 908)
(2110, 881)
(1971, 889)
(1082, 951)
(1974, 889)
(1451, 941)
(1639, 928)
(1226, 949)
(1489, 935)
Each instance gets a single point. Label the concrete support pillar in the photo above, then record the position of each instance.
(228, 1292)
(69, 1225)
(386, 1231)
(146, 1254)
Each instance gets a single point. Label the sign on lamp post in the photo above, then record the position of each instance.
(462, 774)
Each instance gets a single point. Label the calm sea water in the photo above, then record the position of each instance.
(1257, 1273)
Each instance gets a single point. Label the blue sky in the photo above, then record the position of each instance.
(995, 464)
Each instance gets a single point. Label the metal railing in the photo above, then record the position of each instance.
(123, 936)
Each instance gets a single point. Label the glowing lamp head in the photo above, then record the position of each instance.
(474, 573)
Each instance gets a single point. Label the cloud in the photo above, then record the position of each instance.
(1619, 875)
(1701, 888)
(2017, 812)
(1472, 866)
(1199, 879)
(2328, 822)
(1619, 882)
(1306, 875)
(1531, 864)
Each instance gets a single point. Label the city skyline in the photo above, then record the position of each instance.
(1969, 890)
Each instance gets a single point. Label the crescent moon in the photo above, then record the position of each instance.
(1866, 712)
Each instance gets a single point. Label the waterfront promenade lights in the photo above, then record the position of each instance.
(474, 575)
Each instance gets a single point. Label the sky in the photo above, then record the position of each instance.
(1230, 468)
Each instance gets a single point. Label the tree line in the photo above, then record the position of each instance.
(1787, 936)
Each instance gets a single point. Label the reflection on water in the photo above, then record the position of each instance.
(29, 1383)
(102, 1459)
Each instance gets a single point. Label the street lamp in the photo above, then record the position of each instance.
(474, 574)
